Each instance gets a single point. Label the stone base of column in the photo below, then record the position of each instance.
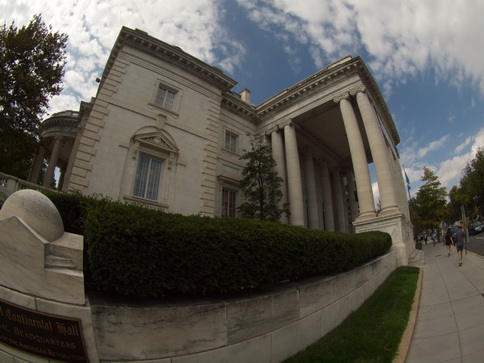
(364, 217)
(389, 211)
(399, 228)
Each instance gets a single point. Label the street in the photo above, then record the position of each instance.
(476, 244)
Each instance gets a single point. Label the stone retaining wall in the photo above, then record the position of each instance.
(42, 278)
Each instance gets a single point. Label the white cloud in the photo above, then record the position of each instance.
(432, 146)
(402, 38)
(478, 142)
(450, 171)
(463, 145)
(93, 25)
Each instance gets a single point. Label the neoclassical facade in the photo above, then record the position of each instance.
(165, 129)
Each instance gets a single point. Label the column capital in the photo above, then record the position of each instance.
(360, 88)
(289, 122)
(342, 96)
(275, 128)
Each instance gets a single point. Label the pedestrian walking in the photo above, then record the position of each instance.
(448, 241)
(459, 243)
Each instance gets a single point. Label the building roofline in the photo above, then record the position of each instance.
(348, 65)
(328, 75)
(143, 42)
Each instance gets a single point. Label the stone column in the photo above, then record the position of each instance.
(327, 198)
(358, 158)
(37, 166)
(54, 156)
(351, 192)
(401, 188)
(379, 151)
(319, 192)
(293, 176)
(339, 202)
(278, 155)
(311, 192)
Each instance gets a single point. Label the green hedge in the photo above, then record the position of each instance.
(136, 251)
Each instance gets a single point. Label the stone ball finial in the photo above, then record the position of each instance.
(37, 211)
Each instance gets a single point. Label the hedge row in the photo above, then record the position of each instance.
(136, 251)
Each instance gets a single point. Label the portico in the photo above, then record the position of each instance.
(324, 147)
(58, 135)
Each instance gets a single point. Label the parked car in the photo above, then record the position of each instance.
(479, 229)
(472, 228)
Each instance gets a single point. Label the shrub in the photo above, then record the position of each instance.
(136, 251)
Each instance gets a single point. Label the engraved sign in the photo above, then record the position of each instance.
(50, 336)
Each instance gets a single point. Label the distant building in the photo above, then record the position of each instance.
(166, 130)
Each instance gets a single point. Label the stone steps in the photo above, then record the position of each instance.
(58, 262)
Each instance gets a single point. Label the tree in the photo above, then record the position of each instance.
(418, 225)
(430, 201)
(456, 200)
(32, 61)
(261, 185)
(472, 184)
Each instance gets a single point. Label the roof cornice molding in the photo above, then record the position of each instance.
(326, 77)
(143, 42)
(307, 87)
(65, 118)
(234, 103)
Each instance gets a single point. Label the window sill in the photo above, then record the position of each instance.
(164, 110)
(149, 202)
(227, 151)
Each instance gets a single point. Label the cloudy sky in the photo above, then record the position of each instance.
(426, 55)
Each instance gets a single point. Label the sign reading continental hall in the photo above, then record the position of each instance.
(50, 336)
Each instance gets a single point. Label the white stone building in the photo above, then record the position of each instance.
(166, 130)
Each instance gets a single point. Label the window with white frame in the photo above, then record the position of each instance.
(230, 142)
(229, 201)
(165, 97)
(147, 179)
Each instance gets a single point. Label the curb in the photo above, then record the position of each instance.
(404, 346)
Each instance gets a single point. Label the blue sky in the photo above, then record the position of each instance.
(427, 56)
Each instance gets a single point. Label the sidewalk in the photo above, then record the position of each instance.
(450, 319)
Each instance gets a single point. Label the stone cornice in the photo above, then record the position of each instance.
(65, 118)
(234, 103)
(307, 87)
(325, 78)
(143, 42)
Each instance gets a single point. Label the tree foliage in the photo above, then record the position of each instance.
(261, 185)
(32, 61)
(470, 192)
(430, 203)
(456, 200)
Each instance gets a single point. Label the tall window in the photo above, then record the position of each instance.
(147, 181)
(229, 199)
(165, 98)
(230, 141)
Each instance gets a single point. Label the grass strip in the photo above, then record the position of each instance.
(374, 331)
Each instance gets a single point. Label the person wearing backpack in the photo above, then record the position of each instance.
(448, 241)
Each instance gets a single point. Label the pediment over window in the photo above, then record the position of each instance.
(156, 140)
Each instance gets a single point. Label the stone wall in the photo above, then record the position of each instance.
(267, 327)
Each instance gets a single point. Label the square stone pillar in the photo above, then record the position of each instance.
(399, 228)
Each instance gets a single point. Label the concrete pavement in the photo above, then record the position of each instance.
(450, 319)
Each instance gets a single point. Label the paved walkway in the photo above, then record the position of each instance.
(450, 319)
